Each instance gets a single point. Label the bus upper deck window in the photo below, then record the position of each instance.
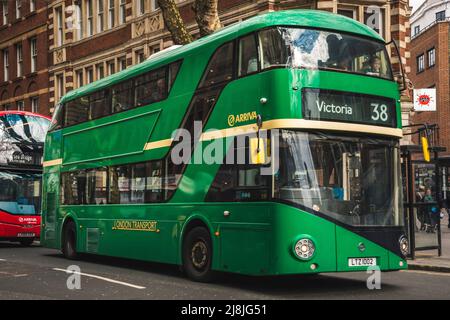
(317, 49)
(248, 55)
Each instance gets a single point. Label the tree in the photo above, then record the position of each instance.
(206, 16)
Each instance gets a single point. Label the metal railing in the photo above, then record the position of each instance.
(447, 19)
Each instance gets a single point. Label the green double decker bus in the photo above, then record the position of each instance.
(269, 147)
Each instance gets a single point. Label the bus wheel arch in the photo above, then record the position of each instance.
(197, 250)
(69, 236)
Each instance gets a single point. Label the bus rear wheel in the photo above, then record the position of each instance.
(69, 241)
(197, 255)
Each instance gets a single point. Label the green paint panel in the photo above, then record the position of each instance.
(114, 139)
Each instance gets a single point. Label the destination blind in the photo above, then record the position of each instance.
(328, 105)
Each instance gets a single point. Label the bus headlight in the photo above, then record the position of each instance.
(404, 245)
(304, 249)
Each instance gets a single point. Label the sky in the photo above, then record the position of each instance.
(415, 3)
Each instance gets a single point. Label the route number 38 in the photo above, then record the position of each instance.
(379, 112)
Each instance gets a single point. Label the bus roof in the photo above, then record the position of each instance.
(300, 18)
(24, 113)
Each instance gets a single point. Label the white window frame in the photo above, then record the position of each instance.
(420, 63)
(89, 18)
(121, 63)
(34, 101)
(59, 21)
(155, 5)
(59, 86)
(20, 105)
(18, 9)
(431, 55)
(79, 78)
(111, 67)
(100, 16)
(100, 68)
(5, 12)
(111, 14)
(33, 54)
(89, 75)
(140, 10)
(19, 59)
(5, 64)
(32, 5)
(122, 11)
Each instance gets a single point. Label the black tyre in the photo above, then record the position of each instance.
(69, 241)
(26, 242)
(197, 255)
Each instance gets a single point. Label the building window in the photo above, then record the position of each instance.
(416, 30)
(122, 63)
(100, 71)
(431, 57)
(78, 24)
(347, 13)
(141, 7)
(19, 57)
(100, 16)
(140, 57)
(59, 26)
(6, 107)
(33, 52)
(440, 16)
(154, 49)
(5, 65)
(79, 78)
(20, 105)
(122, 12)
(5, 12)
(90, 18)
(155, 5)
(32, 5)
(59, 92)
(18, 8)
(111, 14)
(89, 75)
(35, 104)
(420, 63)
(111, 67)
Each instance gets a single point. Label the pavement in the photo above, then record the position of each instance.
(39, 273)
(429, 260)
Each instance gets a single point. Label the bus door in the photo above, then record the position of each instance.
(49, 213)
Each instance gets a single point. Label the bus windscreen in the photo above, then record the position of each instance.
(324, 50)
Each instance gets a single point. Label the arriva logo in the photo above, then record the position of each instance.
(243, 117)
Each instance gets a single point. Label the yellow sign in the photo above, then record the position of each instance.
(426, 152)
(243, 117)
(257, 157)
(135, 225)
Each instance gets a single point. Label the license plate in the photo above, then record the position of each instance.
(362, 262)
(26, 235)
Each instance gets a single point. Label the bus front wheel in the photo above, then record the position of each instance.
(69, 241)
(197, 255)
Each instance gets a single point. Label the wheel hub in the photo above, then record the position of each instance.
(199, 254)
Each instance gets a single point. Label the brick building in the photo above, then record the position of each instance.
(90, 39)
(23, 56)
(430, 51)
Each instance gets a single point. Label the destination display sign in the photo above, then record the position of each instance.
(328, 105)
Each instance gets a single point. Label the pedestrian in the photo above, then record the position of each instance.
(421, 210)
(432, 212)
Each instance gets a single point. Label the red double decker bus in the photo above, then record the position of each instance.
(22, 136)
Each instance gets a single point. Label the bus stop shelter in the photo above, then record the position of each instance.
(418, 176)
